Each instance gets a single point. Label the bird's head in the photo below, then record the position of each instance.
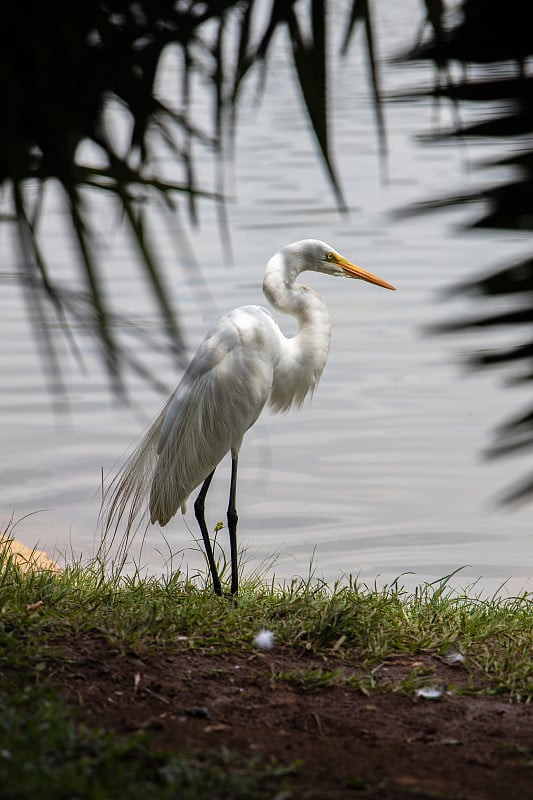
(312, 254)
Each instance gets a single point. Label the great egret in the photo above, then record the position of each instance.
(244, 362)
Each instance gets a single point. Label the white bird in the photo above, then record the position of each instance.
(243, 363)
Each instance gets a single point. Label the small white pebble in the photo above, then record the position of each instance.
(454, 657)
(430, 692)
(264, 639)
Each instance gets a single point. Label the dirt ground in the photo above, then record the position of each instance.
(343, 742)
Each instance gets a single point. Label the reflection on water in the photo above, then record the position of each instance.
(380, 475)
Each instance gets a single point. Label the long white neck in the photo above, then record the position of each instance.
(301, 358)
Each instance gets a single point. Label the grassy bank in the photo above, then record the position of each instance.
(45, 752)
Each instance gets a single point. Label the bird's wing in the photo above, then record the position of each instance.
(220, 396)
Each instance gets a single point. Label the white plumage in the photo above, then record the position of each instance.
(243, 363)
(264, 640)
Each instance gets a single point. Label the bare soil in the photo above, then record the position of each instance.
(343, 743)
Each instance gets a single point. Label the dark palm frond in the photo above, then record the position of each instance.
(360, 12)
(186, 92)
(251, 56)
(61, 62)
(522, 315)
(137, 228)
(310, 58)
(311, 63)
(489, 32)
(29, 264)
(514, 279)
(499, 37)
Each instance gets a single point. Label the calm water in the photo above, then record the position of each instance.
(382, 473)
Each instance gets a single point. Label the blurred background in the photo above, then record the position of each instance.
(154, 155)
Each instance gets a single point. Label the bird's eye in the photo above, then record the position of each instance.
(330, 257)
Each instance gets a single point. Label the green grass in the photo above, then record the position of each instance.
(346, 620)
(359, 627)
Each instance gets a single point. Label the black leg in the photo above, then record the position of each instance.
(232, 526)
(199, 509)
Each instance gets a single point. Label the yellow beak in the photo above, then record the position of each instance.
(353, 271)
